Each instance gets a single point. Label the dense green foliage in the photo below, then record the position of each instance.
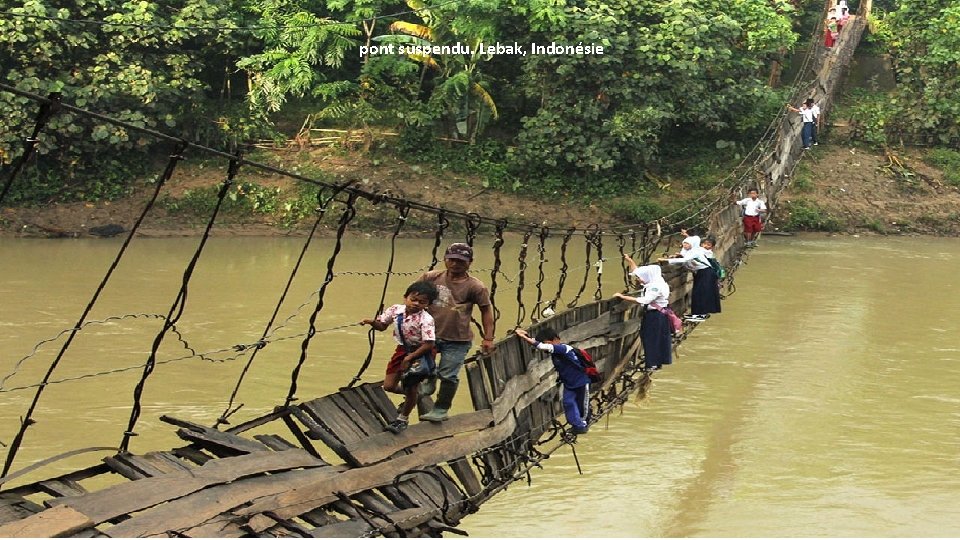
(141, 62)
(586, 124)
(924, 41)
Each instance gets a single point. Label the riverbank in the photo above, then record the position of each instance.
(845, 189)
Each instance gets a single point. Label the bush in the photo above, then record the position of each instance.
(809, 216)
(871, 115)
(637, 210)
(947, 160)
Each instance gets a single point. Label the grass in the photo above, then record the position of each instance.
(947, 160)
(807, 215)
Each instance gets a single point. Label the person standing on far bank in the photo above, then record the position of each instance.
(452, 311)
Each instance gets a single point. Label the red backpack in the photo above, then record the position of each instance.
(589, 367)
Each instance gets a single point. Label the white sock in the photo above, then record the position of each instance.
(402, 417)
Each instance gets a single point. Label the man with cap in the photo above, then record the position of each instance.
(452, 311)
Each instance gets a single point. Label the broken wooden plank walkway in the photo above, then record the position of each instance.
(326, 467)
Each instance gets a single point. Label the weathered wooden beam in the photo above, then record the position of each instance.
(121, 499)
(584, 330)
(216, 441)
(385, 444)
(301, 499)
(55, 522)
(405, 519)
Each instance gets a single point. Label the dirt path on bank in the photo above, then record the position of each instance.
(864, 191)
(875, 193)
(451, 191)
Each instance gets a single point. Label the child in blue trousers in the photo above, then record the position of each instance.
(576, 384)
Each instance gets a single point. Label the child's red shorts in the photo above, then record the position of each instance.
(752, 224)
(393, 366)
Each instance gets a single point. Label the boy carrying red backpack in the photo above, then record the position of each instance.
(573, 375)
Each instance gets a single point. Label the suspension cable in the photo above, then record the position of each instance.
(27, 419)
(179, 304)
(345, 218)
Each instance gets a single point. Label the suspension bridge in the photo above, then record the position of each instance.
(325, 467)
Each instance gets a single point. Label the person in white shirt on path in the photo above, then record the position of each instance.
(809, 113)
(753, 208)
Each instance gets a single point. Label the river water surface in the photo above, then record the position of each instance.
(824, 401)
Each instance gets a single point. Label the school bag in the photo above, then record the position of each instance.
(676, 324)
(717, 268)
(424, 367)
(588, 366)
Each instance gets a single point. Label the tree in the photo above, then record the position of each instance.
(697, 64)
(150, 64)
(924, 39)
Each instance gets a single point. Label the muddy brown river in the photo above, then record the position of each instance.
(823, 401)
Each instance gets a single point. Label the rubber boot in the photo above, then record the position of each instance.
(444, 399)
(448, 389)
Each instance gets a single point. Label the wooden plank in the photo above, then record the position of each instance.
(511, 360)
(82, 474)
(62, 488)
(343, 529)
(371, 501)
(275, 442)
(314, 429)
(455, 494)
(498, 375)
(221, 527)
(278, 413)
(405, 519)
(318, 517)
(166, 462)
(327, 413)
(300, 436)
(379, 402)
(584, 330)
(468, 478)
(519, 386)
(193, 454)
(413, 494)
(385, 444)
(430, 487)
(145, 465)
(296, 500)
(202, 506)
(287, 529)
(478, 390)
(120, 499)
(14, 507)
(57, 521)
(218, 442)
(361, 409)
(356, 419)
(124, 468)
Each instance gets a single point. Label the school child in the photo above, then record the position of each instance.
(832, 32)
(753, 208)
(655, 329)
(576, 384)
(808, 132)
(705, 296)
(415, 332)
(708, 244)
(815, 111)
